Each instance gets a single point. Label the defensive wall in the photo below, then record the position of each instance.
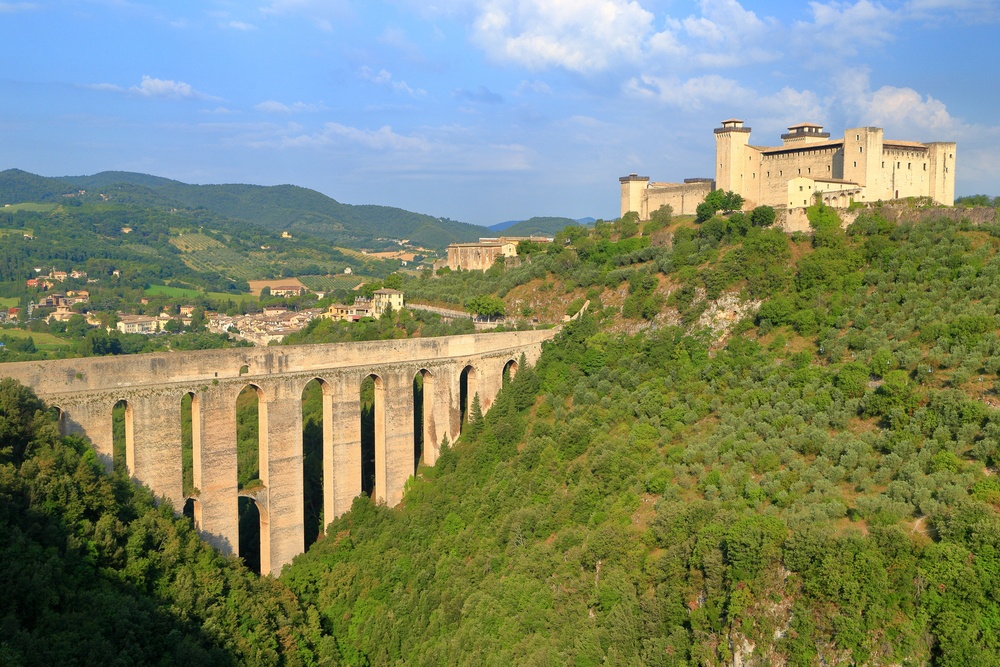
(454, 370)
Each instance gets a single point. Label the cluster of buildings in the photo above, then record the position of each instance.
(49, 280)
(382, 300)
(482, 255)
(271, 325)
(63, 303)
(863, 166)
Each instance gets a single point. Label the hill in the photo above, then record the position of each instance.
(816, 486)
(751, 448)
(538, 226)
(278, 208)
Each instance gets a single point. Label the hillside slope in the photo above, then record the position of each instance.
(820, 488)
(274, 208)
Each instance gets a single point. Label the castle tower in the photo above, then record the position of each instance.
(633, 191)
(863, 162)
(731, 141)
(942, 172)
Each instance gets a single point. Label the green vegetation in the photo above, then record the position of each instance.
(816, 485)
(271, 210)
(95, 573)
(403, 324)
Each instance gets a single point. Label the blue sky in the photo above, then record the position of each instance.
(480, 110)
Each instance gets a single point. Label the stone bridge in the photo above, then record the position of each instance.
(454, 369)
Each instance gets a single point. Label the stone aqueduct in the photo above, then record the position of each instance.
(86, 390)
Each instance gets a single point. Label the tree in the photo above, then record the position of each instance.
(486, 306)
(762, 216)
(393, 281)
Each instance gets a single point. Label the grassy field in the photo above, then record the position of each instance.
(328, 283)
(40, 208)
(8, 301)
(16, 232)
(43, 340)
(188, 293)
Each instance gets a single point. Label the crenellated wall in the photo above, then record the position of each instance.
(86, 391)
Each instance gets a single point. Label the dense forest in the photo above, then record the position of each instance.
(750, 447)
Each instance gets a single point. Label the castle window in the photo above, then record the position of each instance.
(883, 164)
(800, 171)
(925, 166)
(898, 165)
(779, 172)
(855, 163)
(909, 165)
(800, 188)
(769, 174)
(828, 167)
(861, 149)
(858, 137)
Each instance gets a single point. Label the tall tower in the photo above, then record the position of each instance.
(633, 189)
(731, 141)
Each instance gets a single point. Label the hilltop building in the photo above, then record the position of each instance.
(481, 256)
(862, 166)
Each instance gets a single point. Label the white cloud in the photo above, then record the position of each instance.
(220, 111)
(240, 25)
(691, 94)
(838, 29)
(384, 78)
(381, 139)
(273, 106)
(537, 87)
(581, 36)
(167, 89)
(901, 110)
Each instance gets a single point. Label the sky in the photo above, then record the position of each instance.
(480, 110)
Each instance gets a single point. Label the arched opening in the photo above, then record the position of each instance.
(372, 438)
(422, 393)
(192, 510)
(190, 444)
(314, 425)
(251, 444)
(467, 389)
(509, 371)
(251, 529)
(123, 438)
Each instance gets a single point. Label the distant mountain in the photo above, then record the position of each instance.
(538, 225)
(500, 226)
(275, 208)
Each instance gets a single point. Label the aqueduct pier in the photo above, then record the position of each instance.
(453, 368)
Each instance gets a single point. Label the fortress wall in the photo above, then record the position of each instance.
(906, 172)
(779, 168)
(682, 197)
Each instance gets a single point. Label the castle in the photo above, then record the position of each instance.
(863, 166)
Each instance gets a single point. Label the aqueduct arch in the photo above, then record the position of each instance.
(152, 385)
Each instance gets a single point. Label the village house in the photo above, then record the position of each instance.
(138, 324)
(386, 299)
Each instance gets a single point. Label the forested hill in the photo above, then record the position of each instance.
(752, 448)
(274, 208)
